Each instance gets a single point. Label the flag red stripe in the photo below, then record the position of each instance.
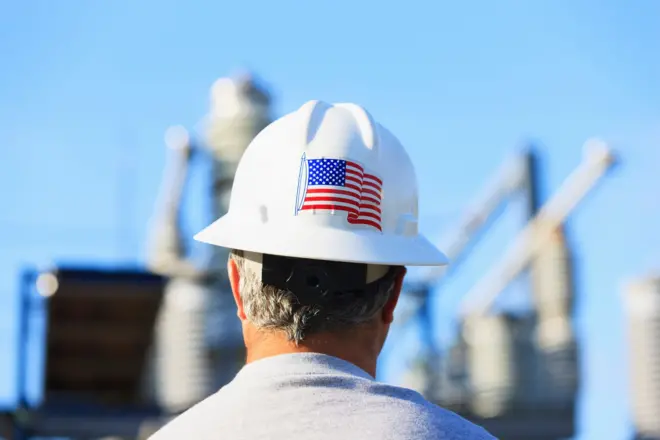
(370, 200)
(373, 185)
(369, 214)
(313, 200)
(371, 176)
(371, 192)
(352, 171)
(354, 165)
(353, 179)
(353, 201)
(368, 206)
(332, 191)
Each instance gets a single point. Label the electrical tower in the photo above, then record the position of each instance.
(515, 375)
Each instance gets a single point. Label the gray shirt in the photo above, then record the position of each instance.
(311, 396)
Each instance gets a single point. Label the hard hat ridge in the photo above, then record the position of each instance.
(313, 113)
(365, 122)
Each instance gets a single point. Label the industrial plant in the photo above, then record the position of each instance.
(118, 352)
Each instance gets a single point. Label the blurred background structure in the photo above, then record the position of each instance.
(122, 367)
(530, 331)
(115, 365)
(199, 344)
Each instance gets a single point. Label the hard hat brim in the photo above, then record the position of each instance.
(329, 244)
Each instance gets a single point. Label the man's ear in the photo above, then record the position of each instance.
(234, 280)
(390, 305)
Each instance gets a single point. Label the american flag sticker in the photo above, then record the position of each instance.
(340, 185)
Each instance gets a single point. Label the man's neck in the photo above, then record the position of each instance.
(266, 345)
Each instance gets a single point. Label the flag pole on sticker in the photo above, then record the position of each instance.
(302, 184)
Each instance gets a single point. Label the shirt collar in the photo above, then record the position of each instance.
(301, 364)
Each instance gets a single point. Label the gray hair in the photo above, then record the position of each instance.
(269, 307)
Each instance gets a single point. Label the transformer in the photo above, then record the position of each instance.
(553, 293)
(642, 301)
(501, 363)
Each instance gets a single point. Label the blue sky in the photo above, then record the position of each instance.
(87, 89)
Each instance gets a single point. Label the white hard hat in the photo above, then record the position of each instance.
(326, 182)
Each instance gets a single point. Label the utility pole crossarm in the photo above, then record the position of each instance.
(599, 159)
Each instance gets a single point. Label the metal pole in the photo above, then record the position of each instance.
(532, 182)
(27, 281)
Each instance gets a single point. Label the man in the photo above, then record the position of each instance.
(322, 222)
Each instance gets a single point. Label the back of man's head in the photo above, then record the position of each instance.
(304, 312)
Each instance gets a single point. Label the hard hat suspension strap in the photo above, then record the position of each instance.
(318, 282)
